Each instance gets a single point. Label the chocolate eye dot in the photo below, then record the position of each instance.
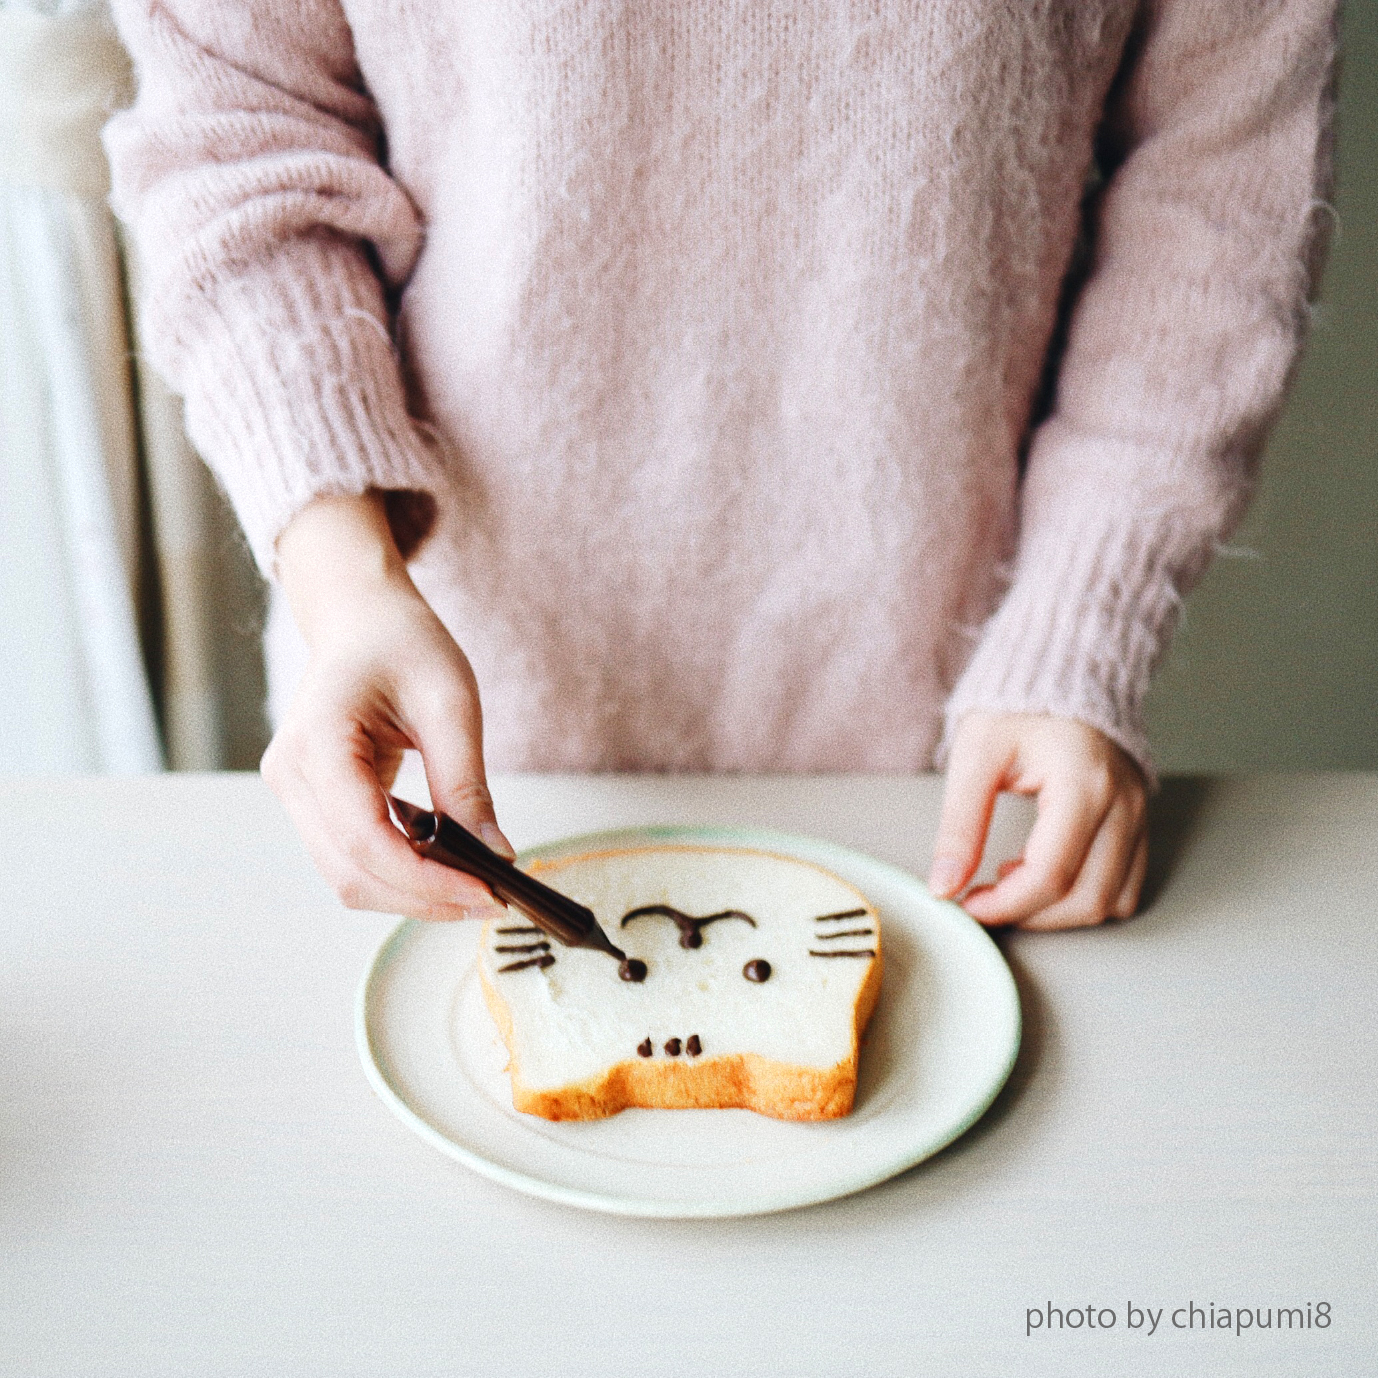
(757, 969)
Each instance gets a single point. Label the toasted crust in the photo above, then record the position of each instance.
(740, 1081)
(746, 1081)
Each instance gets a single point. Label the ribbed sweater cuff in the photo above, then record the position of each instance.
(1082, 628)
(293, 390)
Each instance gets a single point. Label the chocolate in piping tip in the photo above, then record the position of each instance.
(600, 941)
(419, 824)
(439, 838)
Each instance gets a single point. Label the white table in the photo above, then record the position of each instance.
(196, 1178)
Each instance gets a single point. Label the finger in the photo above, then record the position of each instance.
(357, 889)
(974, 774)
(281, 769)
(387, 761)
(1069, 817)
(447, 728)
(1006, 868)
(1128, 901)
(359, 830)
(1102, 875)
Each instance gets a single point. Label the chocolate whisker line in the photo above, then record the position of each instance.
(522, 947)
(846, 933)
(543, 961)
(848, 952)
(841, 914)
(514, 932)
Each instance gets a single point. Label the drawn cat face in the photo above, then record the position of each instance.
(745, 952)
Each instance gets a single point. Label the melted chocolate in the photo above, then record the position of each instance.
(514, 932)
(632, 969)
(522, 947)
(439, 838)
(672, 1047)
(757, 969)
(841, 914)
(846, 933)
(866, 952)
(644, 1048)
(693, 1047)
(543, 961)
(690, 928)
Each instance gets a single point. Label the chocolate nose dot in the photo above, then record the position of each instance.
(632, 969)
(757, 969)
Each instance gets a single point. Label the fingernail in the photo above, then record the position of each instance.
(946, 876)
(492, 835)
(976, 902)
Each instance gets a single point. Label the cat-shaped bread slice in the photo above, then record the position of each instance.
(761, 972)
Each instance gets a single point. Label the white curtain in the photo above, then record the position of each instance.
(74, 689)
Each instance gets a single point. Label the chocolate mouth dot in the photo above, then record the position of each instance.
(693, 1047)
(632, 969)
(644, 1048)
(672, 1047)
(758, 969)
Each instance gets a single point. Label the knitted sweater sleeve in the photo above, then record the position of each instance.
(1205, 251)
(266, 230)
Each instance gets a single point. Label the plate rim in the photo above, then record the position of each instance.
(652, 1208)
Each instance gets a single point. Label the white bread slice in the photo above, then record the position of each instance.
(787, 1046)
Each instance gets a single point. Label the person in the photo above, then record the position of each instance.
(682, 365)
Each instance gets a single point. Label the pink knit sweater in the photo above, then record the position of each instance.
(715, 331)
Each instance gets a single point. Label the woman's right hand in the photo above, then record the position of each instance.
(383, 675)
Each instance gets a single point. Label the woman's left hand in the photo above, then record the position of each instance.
(1085, 858)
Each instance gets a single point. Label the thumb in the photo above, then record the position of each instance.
(449, 734)
(974, 771)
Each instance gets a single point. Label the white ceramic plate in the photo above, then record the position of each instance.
(940, 1045)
